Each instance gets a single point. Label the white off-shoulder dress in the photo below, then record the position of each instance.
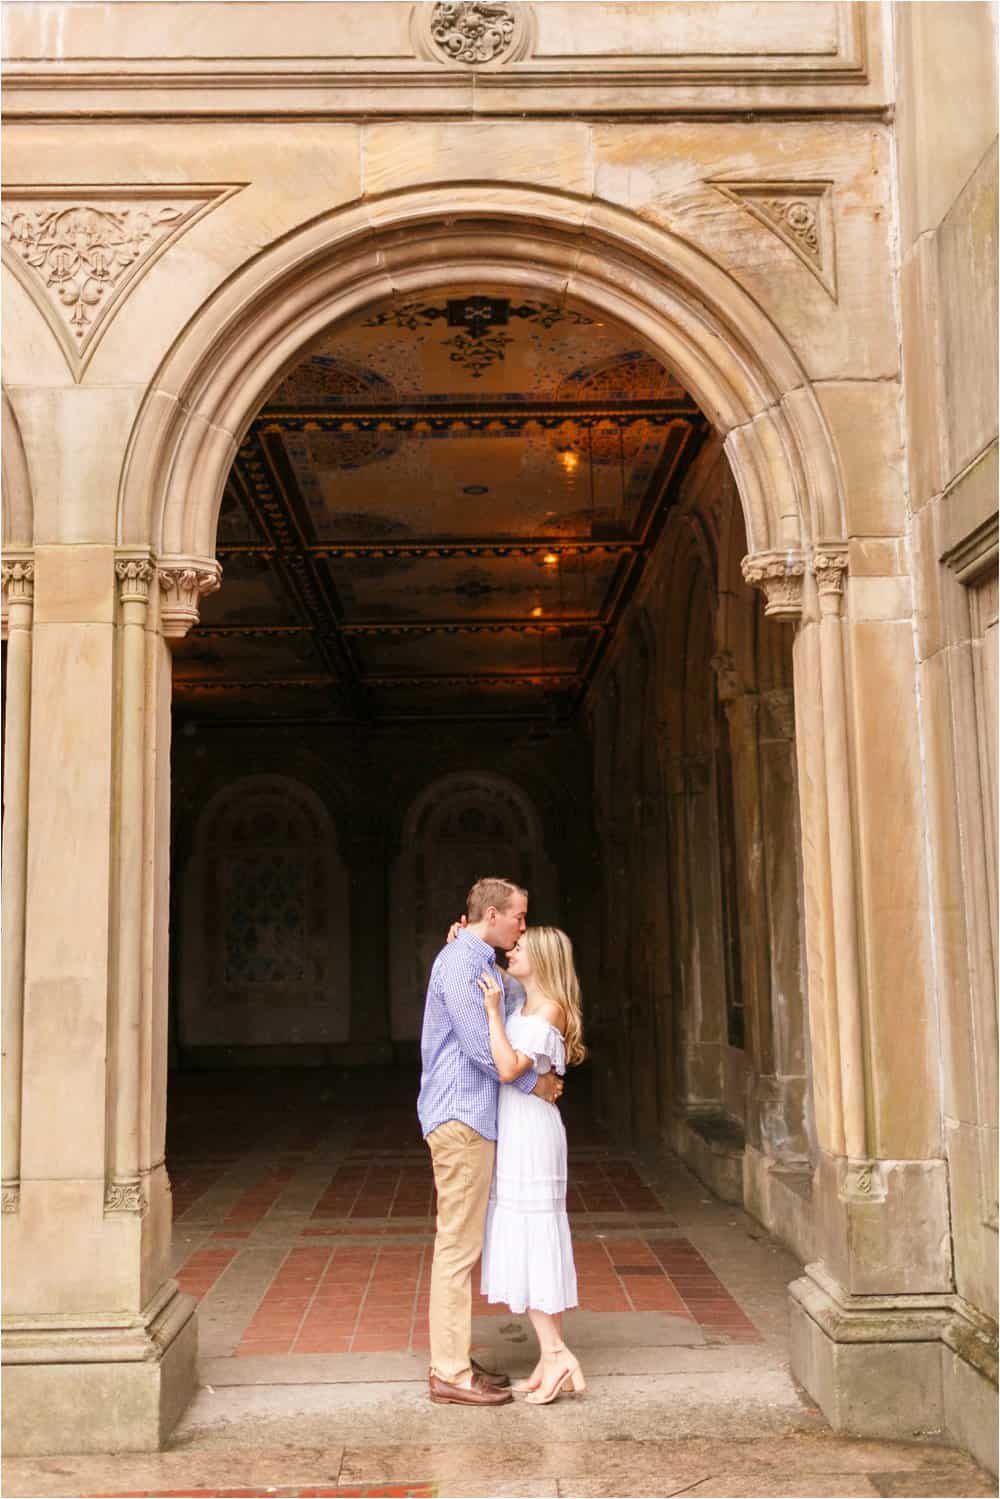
(527, 1251)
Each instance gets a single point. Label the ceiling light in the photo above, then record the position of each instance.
(550, 559)
(569, 460)
(537, 612)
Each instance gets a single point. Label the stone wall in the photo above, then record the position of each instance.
(947, 152)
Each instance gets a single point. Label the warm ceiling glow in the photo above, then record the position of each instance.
(569, 460)
(550, 559)
(537, 612)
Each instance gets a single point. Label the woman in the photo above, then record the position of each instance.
(528, 1253)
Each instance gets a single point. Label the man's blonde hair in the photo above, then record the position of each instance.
(490, 891)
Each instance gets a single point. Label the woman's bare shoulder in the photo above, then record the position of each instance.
(552, 1011)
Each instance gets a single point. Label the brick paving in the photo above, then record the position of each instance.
(345, 1211)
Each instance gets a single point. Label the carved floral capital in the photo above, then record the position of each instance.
(780, 576)
(183, 582)
(829, 566)
(18, 580)
(134, 576)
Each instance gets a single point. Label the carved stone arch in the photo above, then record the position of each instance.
(264, 950)
(461, 827)
(18, 509)
(681, 305)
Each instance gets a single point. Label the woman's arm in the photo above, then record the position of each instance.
(510, 1064)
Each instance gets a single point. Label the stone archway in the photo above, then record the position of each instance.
(749, 383)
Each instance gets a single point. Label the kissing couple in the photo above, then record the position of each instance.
(494, 1048)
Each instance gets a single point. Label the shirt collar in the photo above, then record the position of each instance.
(486, 952)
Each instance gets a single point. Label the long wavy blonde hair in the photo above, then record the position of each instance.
(550, 953)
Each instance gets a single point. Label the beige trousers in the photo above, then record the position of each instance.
(463, 1171)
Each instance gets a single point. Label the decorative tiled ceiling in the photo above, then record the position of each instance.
(439, 512)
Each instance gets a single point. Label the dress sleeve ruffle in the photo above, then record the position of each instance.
(543, 1044)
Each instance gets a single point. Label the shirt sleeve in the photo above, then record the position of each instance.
(464, 1004)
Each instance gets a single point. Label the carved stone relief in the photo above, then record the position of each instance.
(77, 251)
(800, 214)
(125, 1197)
(474, 32)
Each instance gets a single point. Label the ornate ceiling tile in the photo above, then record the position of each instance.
(77, 251)
(800, 214)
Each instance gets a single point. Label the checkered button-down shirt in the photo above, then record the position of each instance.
(460, 1079)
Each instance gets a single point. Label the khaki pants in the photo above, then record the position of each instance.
(463, 1171)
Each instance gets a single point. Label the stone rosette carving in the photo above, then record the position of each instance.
(125, 1197)
(10, 1200)
(780, 576)
(76, 252)
(182, 585)
(800, 214)
(476, 33)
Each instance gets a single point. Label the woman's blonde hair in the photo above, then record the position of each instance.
(550, 953)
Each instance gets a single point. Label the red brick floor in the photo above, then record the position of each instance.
(334, 1186)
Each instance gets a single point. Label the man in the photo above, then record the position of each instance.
(459, 1091)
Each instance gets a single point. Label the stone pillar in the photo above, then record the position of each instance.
(869, 1314)
(99, 1343)
(18, 586)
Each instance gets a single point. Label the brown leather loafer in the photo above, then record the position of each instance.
(454, 1394)
(492, 1381)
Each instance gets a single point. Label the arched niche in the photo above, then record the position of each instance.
(264, 951)
(459, 829)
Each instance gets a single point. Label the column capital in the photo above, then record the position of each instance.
(780, 575)
(134, 572)
(183, 581)
(17, 577)
(829, 567)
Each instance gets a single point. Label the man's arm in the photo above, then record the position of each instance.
(464, 1004)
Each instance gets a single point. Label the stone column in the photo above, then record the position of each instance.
(18, 585)
(870, 1314)
(99, 1343)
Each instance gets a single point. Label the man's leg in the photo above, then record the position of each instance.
(463, 1170)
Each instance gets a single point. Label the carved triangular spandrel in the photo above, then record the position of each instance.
(800, 214)
(79, 250)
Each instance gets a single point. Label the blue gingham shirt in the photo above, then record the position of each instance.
(460, 1079)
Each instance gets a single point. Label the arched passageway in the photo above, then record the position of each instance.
(696, 854)
(481, 609)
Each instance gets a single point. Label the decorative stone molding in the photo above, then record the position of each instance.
(134, 576)
(183, 581)
(976, 553)
(77, 251)
(11, 1198)
(800, 214)
(729, 683)
(780, 576)
(125, 1197)
(863, 1182)
(477, 33)
(829, 566)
